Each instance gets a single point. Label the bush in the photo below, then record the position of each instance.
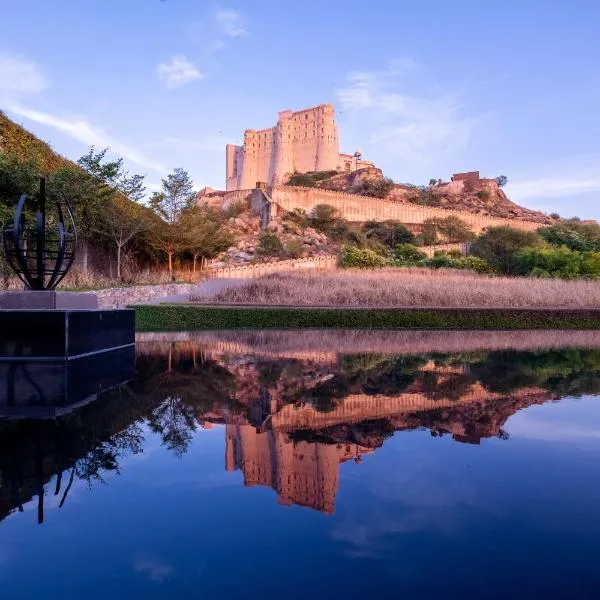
(294, 248)
(323, 217)
(236, 209)
(408, 253)
(298, 216)
(378, 188)
(559, 262)
(269, 244)
(501, 180)
(500, 247)
(390, 233)
(483, 195)
(352, 257)
(452, 229)
(309, 179)
(573, 234)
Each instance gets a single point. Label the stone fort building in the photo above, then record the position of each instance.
(301, 142)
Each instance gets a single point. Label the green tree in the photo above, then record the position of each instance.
(205, 236)
(573, 234)
(500, 247)
(177, 195)
(269, 244)
(501, 180)
(323, 217)
(452, 229)
(390, 233)
(408, 253)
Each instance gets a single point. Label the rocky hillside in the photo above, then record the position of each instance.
(297, 241)
(479, 196)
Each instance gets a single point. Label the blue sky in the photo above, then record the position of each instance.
(422, 88)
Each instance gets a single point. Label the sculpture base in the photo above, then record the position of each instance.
(50, 335)
(47, 300)
(50, 389)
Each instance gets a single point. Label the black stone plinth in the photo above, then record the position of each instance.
(42, 390)
(46, 335)
(48, 300)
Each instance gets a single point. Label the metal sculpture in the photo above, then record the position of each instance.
(40, 257)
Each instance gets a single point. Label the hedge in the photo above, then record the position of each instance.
(170, 317)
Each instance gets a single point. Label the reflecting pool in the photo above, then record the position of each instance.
(342, 464)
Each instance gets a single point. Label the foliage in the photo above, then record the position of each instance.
(452, 228)
(293, 248)
(500, 247)
(408, 253)
(501, 180)
(376, 187)
(559, 262)
(424, 196)
(204, 235)
(323, 217)
(176, 196)
(390, 233)
(447, 261)
(351, 257)
(573, 234)
(483, 195)
(164, 317)
(309, 179)
(269, 244)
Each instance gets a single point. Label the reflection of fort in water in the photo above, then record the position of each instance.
(291, 417)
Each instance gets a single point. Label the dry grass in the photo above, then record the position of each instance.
(283, 342)
(408, 288)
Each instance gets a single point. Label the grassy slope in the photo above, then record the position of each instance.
(180, 317)
(22, 144)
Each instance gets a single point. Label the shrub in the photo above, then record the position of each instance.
(559, 262)
(501, 180)
(378, 188)
(483, 195)
(390, 233)
(236, 209)
(323, 217)
(573, 234)
(452, 229)
(294, 248)
(298, 216)
(309, 179)
(352, 257)
(269, 244)
(500, 247)
(408, 253)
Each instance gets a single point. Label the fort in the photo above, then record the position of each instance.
(302, 141)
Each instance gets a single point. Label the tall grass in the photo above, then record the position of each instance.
(408, 288)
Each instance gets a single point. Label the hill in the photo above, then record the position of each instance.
(470, 194)
(17, 142)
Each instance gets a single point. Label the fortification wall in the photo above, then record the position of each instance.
(251, 271)
(363, 208)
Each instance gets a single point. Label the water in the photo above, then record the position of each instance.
(311, 464)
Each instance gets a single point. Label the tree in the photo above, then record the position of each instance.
(573, 234)
(390, 233)
(500, 247)
(204, 233)
(501, 180)
(177, 195)
(323, 217)
(121, 222)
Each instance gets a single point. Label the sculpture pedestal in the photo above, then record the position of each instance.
(47, 300)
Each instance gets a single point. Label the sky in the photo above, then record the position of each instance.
(424, 89)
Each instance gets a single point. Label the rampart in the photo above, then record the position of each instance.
(251, 271)
(364, 208)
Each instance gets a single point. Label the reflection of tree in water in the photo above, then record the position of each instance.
(175, 422)
(564, 372)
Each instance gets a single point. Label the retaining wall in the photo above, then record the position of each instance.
(364, 208)
(250, 271)
(140, 294)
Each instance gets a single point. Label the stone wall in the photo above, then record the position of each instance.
(364, 208)
(250, 271)
(140, 294)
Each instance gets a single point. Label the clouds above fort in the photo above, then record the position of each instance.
(231, 23)
(177, 72)
(417, 128)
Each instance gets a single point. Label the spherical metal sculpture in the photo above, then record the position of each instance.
(40, 252)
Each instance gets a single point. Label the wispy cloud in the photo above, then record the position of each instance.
(554, 187)
(154, 568)
(177, 72)
(231, 22)
(82, 131)
(19, 75)
(416, 128)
